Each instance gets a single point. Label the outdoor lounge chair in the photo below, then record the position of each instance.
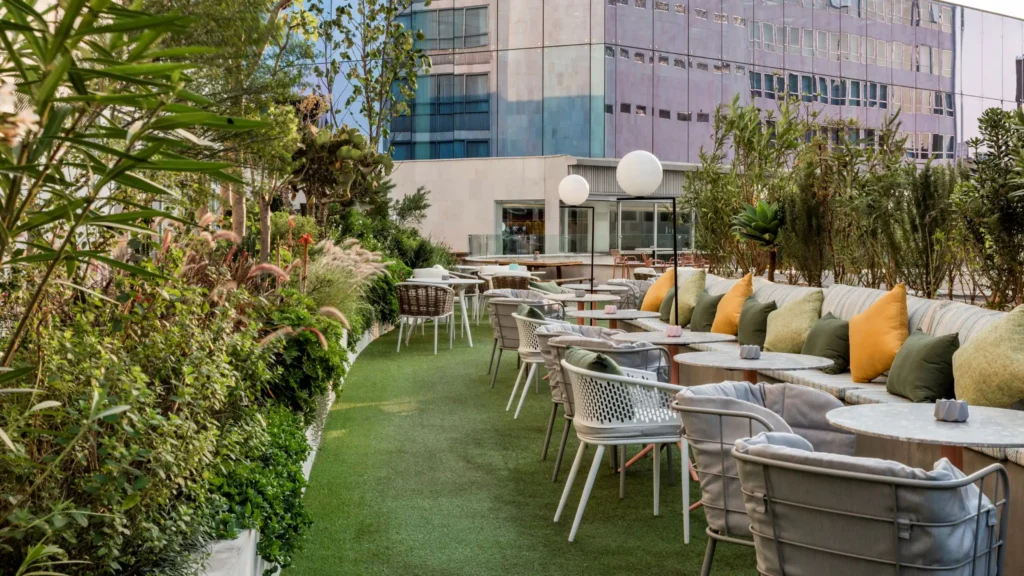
(611, 410)
(529, 354)
(500, 309)
(815, 513)
(716, 415)
(422, 302)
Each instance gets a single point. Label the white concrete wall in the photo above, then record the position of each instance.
(464, 192)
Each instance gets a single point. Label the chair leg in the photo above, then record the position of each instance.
(526, 388)
(684, 457)
(671, 468)
(572, 478)
(561, 450)
(435, 336)
(514, 388)
(547, 436)
(494, 348)
(657, 478)
(709, 555)
(586, 491)
(408, 333)
(401, 326)
(622, 471)
(451, 331)
(494, 376)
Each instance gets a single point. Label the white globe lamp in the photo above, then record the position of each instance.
(573, 190)
(639, 173)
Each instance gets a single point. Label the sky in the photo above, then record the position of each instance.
(1009, 7)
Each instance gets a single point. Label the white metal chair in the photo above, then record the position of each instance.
(614, 411)
(530, 355)
(422, 302)
(501, 304)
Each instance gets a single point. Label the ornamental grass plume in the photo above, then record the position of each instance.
(338, 276)
(267, 269)
(335, 314)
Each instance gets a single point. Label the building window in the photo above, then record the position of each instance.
(807, 88)
(755, 35)
(702, 66)
(741, 70)
(794, 40)
(768, 36)
(822, 90)
(721, 18)
(883, 96)
(609, 52)
(946, 21)
(739, 21)
(624, 108)
(478, 148)
(949, 104)
(821, 44)
(855, 47)
(683, 116)
(681, 9)
(639, 57)
(871, 95)
(661, 6)
(793, 85)
(663, 60)
(701, 13)
(947, 63)
(855, 93)
(882, 49)
(703, 117)
(679, 63)
(401, 151)
(609, 109)
(755, 84)
(623, 53)
(833, 46)
(641, 110)
(769, 86)
(640, 4)
(665, 114)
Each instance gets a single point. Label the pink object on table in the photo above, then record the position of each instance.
(674, 331)
(611, 309)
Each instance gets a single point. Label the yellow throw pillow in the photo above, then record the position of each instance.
(689, 291)
(656, 293)
(988, 370)
(727, 319)
(877, 334)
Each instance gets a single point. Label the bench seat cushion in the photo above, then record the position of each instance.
(873, 394)
(834, 384)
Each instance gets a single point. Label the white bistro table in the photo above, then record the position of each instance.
(613, 319)
(985, 427)
(581, 301)
(672, 343)
(730, 360)
(459, 285)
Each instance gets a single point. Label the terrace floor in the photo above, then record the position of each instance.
(421, 471)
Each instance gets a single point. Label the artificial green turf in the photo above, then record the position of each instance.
(421, 471)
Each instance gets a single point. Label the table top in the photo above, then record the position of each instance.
(537, 263)
(462, 268)
(618, 315)
(685, 339)
(597, 287)
(449, 282)
(730, 360)
(991, 427)
(594, 298)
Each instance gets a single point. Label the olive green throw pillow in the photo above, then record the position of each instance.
(789, 326)
(666, 305)
(754, 322)
(690, 290)
(923, 368)
(989, 368)
(830, 338)
(593, 361)
(530, 312)
(704, 312)
(549, 287)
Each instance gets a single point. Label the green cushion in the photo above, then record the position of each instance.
(704, 312)
(753, 325)
(789, 326)
(988, 369)
(530, 312)
(923, 368)
(549, 287)
(830, 338)
(593, 361)
(690, 290)
(666, 305)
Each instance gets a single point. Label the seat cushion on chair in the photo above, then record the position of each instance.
(593, 361)
(753, 324)
(876, 335)
(989, 368)
(527, 311)
(788, 327)
(727, 316)
(591, 431)
(703, 317)
(923, 368)
(547, 287)
(830, 338)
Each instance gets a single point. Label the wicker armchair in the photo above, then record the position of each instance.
(421, 302)
(509, 282)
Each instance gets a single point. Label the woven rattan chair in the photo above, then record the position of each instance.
(509, 282)
(813, 513)
(500, 309)
(422, 302)
(614, 411)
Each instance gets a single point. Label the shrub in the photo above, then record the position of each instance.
(302, 225)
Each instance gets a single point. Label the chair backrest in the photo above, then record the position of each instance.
(634, 295)
(529, 346)
(432, 273)
(815, 513)
(510, 282)
(490, 270)
(604, 401)
(504, 327)
(425, 300)
(471, 288)
(553, 357)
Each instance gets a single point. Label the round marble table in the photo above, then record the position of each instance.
(985, 427)
(581, 301)
(459, 286)
(613, 319)
(597, 287)
(672, 343)
(730, 360)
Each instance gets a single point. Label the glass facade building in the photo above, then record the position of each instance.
(600, 78)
